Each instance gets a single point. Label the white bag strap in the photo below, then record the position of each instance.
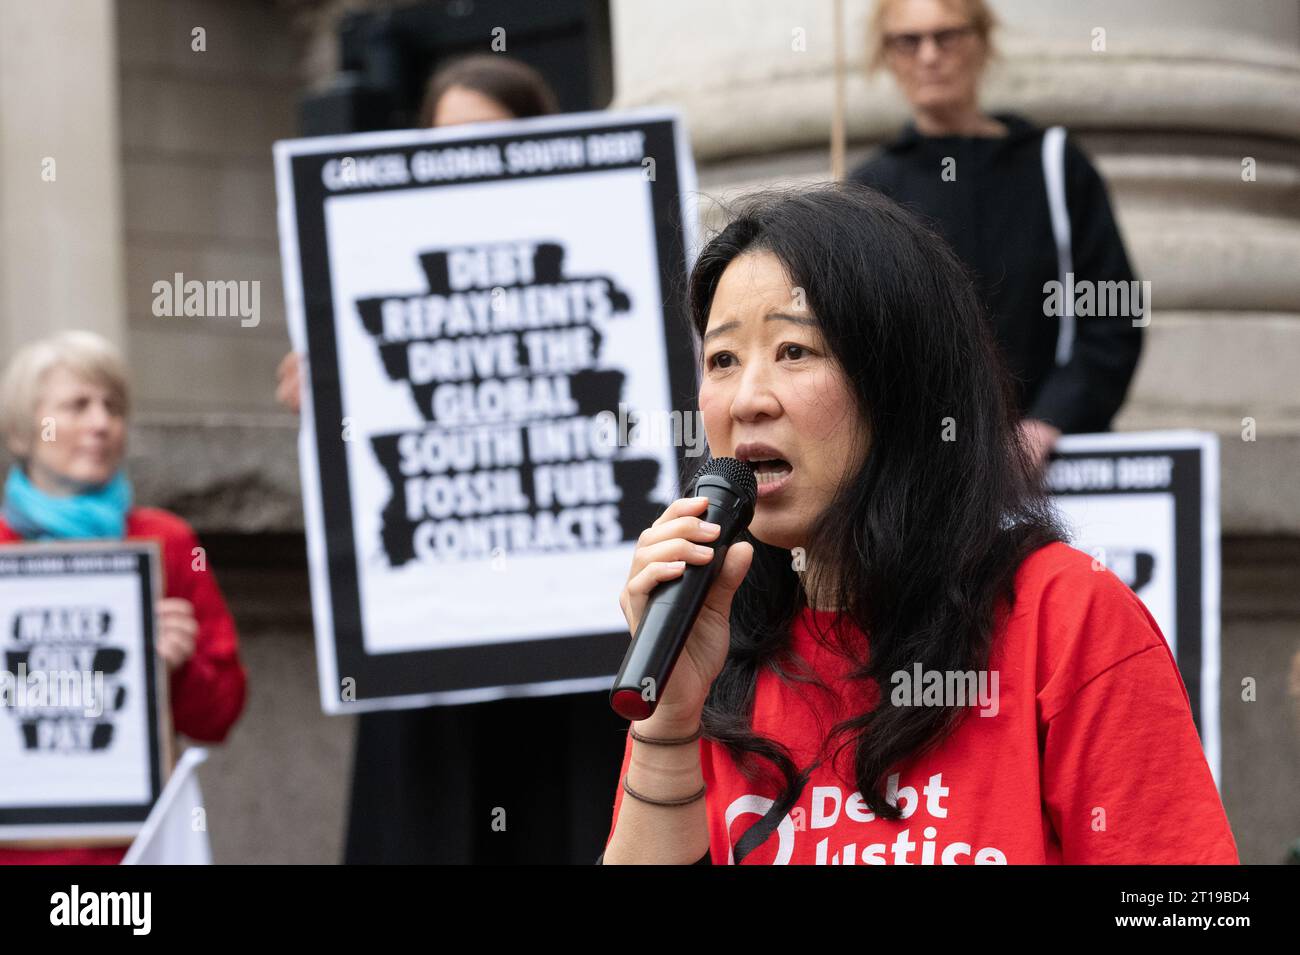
(1054, 175)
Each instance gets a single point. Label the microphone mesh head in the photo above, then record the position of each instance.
(738, 473)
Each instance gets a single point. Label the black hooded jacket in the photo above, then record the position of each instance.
(995, 214)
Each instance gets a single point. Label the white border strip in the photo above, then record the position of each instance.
(308, 465)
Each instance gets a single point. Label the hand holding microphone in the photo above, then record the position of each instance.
(677, 600)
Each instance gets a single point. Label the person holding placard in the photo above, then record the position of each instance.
(438, 784)
(64, 402)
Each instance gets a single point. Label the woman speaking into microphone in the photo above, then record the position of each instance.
(901, 661)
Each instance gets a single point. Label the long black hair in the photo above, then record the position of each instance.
(926, 535)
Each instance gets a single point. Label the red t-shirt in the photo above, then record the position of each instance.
(1088, 753)
(207, 693)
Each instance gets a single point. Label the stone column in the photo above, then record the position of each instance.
(61, 263)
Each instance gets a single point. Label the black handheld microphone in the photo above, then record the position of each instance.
(673, 606)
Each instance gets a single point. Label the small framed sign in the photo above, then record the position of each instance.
(1146, 505)
(84, 719)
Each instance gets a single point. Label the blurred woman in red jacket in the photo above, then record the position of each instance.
(63, 408)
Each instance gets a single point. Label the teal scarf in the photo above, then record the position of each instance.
(99, 512)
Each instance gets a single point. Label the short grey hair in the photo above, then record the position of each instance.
(85, 354)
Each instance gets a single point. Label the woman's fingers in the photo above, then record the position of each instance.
(649, 567)
(675, 549)
(681, 506)
(654, 574)
(664, 549)
(288, 385)
(672, 542)
(637, 591)
(187, 626)
(688, 528)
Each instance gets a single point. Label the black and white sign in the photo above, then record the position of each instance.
(84, 722)
(494, 320)
(1146, 505)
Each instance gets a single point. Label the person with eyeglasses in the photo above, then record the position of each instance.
(1023, 207)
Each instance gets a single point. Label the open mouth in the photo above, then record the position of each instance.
(771, 471)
